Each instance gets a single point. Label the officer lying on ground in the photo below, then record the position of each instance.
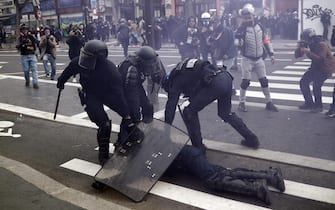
(203, 83)
(240, 180)
(101, 85)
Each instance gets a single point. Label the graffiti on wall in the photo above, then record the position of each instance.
(316, 11)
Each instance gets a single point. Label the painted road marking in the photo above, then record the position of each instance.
(56, 189)
(295, 79)
(274, 85)
(296, 67)
(298, 73)
(308, 63)
(286, 158)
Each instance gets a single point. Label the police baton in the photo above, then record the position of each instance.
(181, 113)
(57, 103)
(179, 108)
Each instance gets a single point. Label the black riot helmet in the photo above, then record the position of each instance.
(91, 52)
(147, 59)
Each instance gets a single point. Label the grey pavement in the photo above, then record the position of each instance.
(21, 188)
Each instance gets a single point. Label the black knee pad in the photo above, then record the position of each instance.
(264, 82)
(245, 83)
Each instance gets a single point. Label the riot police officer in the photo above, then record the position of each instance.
(145, 63)
(203, 83)
(101, 85)
(238, 180)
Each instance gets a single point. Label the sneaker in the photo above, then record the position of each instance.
(35, 86)
(27, 84)
(317, 109)
(241, 107)
(271, 107)
(306, 106)
(330, 113)
(47, 75)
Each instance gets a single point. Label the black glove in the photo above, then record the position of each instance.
(60, 85)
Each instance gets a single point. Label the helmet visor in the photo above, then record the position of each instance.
(87, 60)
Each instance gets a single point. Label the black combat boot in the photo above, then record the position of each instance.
(257, 188)
(251, 140)
(103, 153)
(273, 176)
(103, 136)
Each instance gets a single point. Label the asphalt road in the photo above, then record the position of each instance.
(301, 143)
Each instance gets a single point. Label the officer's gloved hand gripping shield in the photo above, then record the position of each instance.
(91, 52)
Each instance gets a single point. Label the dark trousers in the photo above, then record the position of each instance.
(317, 78)
(125, 45)
(221, 89)
(332, 106)
(95, 110)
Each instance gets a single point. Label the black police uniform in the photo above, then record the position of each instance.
(132, 82)
(239, 180)
(100, 86)
(203, 83)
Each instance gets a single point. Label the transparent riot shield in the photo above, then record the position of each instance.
(134, 169)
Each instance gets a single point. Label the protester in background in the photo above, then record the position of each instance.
(27, 45)
(2, 36)
(331, 112)
(123, 35)
(255, 46)
(187, 39)
(48, 46)
(75, 42)
(206, 37)
(325, 20)
(225, 50)
(322, 67)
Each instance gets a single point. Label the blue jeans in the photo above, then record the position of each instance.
(29, 63)
(51, 59)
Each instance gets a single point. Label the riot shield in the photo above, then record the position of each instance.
(134, 169)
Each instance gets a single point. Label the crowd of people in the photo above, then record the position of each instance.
(120, 87)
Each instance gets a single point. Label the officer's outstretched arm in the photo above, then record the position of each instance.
(71, 70)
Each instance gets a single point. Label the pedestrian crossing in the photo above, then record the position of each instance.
(284, 85)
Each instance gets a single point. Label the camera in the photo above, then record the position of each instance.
(302, 44)
(77, 33)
